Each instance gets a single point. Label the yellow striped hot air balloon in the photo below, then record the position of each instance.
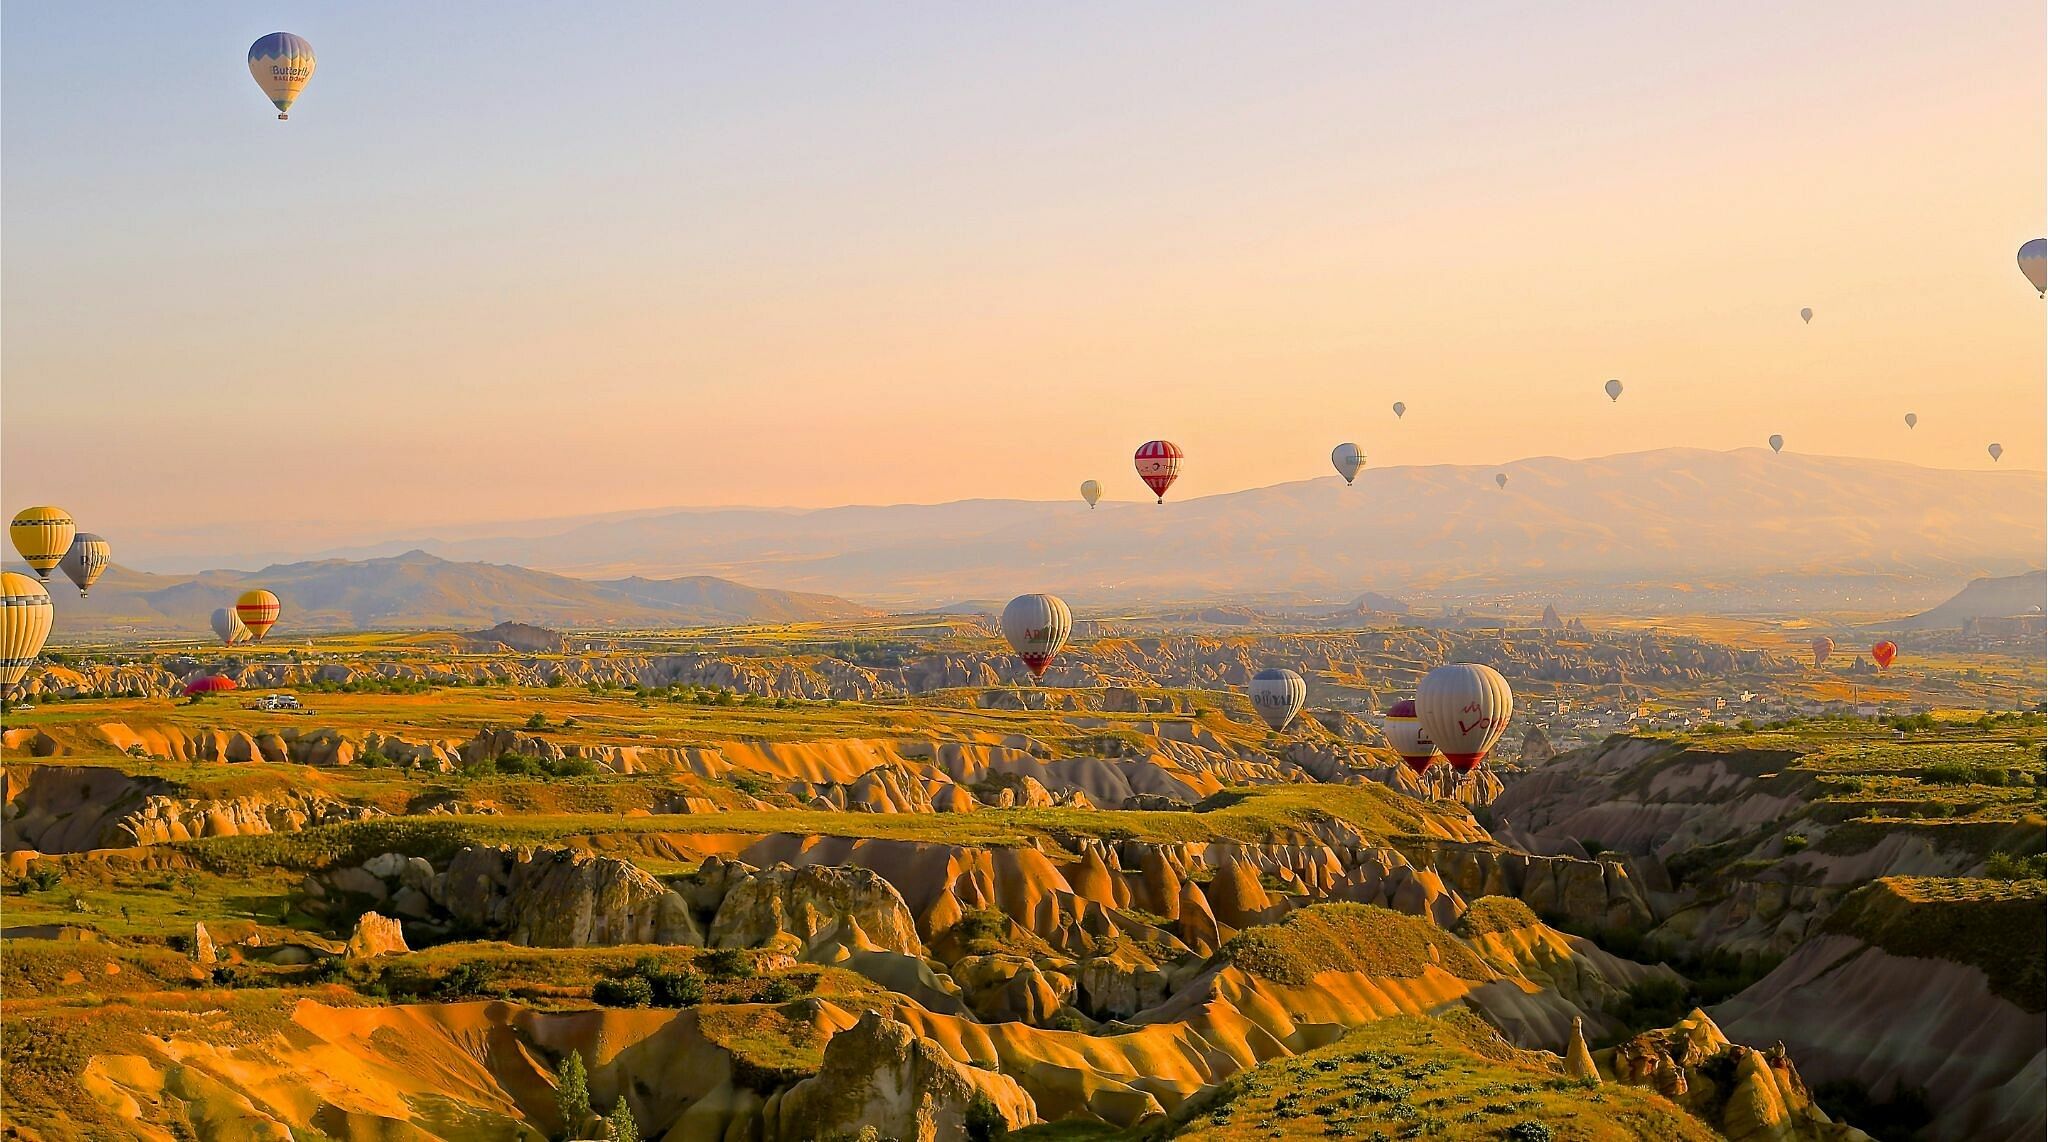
(25, 615)
(257, 609)
(42, 535)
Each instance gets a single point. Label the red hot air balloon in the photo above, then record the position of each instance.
(1884, 652)
(209, 684)
(1158, 463)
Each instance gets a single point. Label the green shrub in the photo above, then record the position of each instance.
(985, 1121)
(683, 988)
(631, 991)
(1795, 842)
(778, 990)
(729, 964)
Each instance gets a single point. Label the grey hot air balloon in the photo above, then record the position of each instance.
(1912, 420)
(85, 560)
(1277, 695)
(1400, 409)
(1996, 451)
(227, 626)
(1500, 479)
(1037, 626)
(1806, 315)
(1348, 459)
(1777, 443)
(1614, 390)
(2034, 264)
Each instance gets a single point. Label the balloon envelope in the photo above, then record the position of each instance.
(1400, 409)
(1158, 464)
(1777, 443)
(2034, 264)
(1277, 696)
(42, 535)
(1822, 648)
(1348, 459)
(258, 610)
(1883, 653)
(1912, 419)
(1996, 451)
(1501, 479)
(1464, 708)
(228, 628)
(1614, 390)
(209, 683)
(25, 615)
(86, 560)
(1806, 315)
(1404, 732)
(1037, 626)
(281, 63)
(1091, 491)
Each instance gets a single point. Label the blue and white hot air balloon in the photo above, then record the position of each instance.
(281, 64)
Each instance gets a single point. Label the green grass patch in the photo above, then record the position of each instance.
(1362, 938)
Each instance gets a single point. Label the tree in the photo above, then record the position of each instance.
(572, 1092)
(985, 1121)
(624, 1129)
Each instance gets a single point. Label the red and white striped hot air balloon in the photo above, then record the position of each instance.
(1158, 463)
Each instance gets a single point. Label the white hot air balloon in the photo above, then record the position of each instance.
(1777, 443)
(1806, 315)
(1996, 451)
(228, 628)
(1091, 490)
(1464, 707)
(1614, 390)
(1400, 409)
(1348, 459)
(1277, 696)
(2034, 264)
(1912, 420)
(1037, 626)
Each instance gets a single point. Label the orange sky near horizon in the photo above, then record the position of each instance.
(813, 259)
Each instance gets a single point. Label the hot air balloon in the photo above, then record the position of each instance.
(1037, 626)
(1400, 409)
(25, 614)
(1277, 696)
(2034, 264)
(1158, 463)
(1501, 478)
(1777, 443)
(1822, 648)
(208, 684)
(228, 628)
(257, 609)
(1806, 315)
(1091, 490)
(1996, 451)
(1614, 390)
(1404, 732)
(1912, 420)
(42, 535)
(281, 64)
(1883, 653)
(86, 559)
(1464, 708)
(1349, 460)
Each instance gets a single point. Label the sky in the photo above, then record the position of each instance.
(507, 261)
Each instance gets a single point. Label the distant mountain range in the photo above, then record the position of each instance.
(1999, 598)
(416, 590)
(1746, 527)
